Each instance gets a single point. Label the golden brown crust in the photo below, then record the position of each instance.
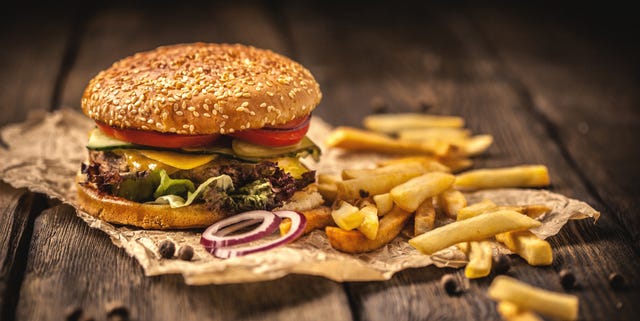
(201, 89)
(121, 211)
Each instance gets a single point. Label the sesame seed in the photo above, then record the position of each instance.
(206, 107)
(196, 114)
(263, 105)
(245, 104)
(191, 108)
(207, 115)
(185, 126)
(179, 113)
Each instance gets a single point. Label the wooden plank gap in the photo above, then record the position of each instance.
(28, 207)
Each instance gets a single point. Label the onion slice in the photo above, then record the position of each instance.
(298, 223)
(216, 235)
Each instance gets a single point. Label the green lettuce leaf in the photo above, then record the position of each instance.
(222, 182)
(170, 186)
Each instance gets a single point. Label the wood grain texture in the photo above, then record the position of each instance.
(591, 105)
(439, 56)
(72, 265)
(17, 211)
(116, 32)
(548, 92)
(37, 40)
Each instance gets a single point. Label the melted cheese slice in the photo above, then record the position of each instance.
(178, 160)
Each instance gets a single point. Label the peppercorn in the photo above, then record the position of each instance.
(116, 311)
(185, 253)
(616, 281)
(167, 249)
(501, 264)
(379, 105)
(450, 284)
(567, 279)
(363, 193)
(425, 106)
(73, 313)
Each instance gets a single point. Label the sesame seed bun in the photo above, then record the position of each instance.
(121, 211)
(201, 88)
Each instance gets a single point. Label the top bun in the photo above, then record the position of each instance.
(201, 88)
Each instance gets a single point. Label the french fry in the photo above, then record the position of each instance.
(372, 185)
(474, 145)
(328, 179)
(347, 216)
(533, 249)
(431, 164)
(318, 217)
(329, 192)
(412, 193)
(476, 228)
(357, 139)
(424, 217)
(511, 312)
(355, 242)
(485, 206)
(456, 164)
(352, 173)
(517, 176)
(384, 203)
(392, 123)
(480, 258)
(441, 133)
(451, 201)
(464, 247)
(552, 304)
(476, 209)
(370, 223)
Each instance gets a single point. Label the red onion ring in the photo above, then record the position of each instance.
(216, 235)
(298, 223)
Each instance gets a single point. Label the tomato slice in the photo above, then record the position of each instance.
(156, 139)
(277, 136)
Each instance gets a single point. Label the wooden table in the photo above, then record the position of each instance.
(554, 84)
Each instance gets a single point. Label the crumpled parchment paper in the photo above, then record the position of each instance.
(44, 154)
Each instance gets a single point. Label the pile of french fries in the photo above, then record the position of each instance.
(370, 207)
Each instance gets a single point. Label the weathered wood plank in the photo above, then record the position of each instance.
(71, 265)
(592, 105)
(34, 43)
(17, 210)
(119, 31)
(438, 56)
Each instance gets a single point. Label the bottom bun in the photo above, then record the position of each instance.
(118, 210)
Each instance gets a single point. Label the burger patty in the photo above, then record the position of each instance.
(261, 185)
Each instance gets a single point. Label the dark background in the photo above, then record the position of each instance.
(554, 83)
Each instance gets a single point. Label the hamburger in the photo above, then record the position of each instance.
(189, 134)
